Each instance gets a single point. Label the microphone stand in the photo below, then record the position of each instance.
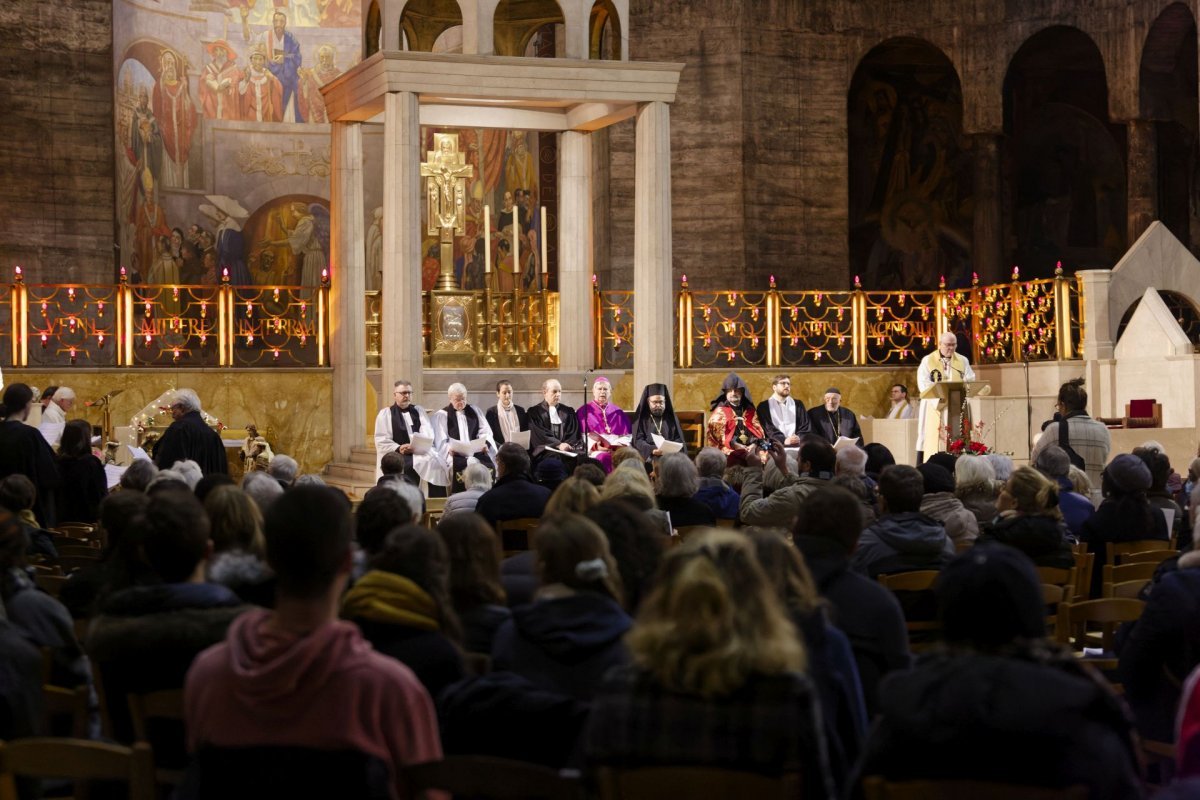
(1028, 407)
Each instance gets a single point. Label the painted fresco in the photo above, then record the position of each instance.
(222, 141)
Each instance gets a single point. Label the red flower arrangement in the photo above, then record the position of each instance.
(958, 447)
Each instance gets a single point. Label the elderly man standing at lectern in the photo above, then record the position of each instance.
(944, 364)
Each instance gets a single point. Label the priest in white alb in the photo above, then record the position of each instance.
(405, 427)
(943, 364)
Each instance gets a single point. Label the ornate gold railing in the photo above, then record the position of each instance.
(140, 325)
(1037, 320)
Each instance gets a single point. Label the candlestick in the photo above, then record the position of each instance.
(545, 266)
(487, 240)
(516, 237)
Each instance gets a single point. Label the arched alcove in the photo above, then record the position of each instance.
(604, 32)
(910, 179)
(1065, 159)
(527, 28)
(424, 21)
(372, 30)
(1167, 96)
(1182, 309)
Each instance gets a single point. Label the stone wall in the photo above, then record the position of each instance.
(56, 153)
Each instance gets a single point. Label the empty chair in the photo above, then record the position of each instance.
(76, 760)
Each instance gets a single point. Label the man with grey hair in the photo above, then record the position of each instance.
(714, 492)
(461, 423)
(137, 476)
(404, 428)
(553, 425)
(477, 479)
(943, 364)
(262, 489)
(283, 469)
(189, 437)
(54, 416)
(1076, 509)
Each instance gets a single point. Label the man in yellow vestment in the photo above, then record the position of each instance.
(943, 364)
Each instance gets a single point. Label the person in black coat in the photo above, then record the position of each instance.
(84, 483)
(190, 438)
(545, 434)
(1125, 514)
(790, 419)
(831, 420)
(500, 416)
(655, 416)
(515, 495)
(23, 451)
(1030, 520)
(997, 686)
(677, 483)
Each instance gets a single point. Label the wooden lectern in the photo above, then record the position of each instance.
(952, 398)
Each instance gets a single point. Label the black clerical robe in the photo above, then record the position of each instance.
(24, 451)
(189, 437)
(822, 423)
(543, 436)
(774, 434)
(645, 427)
(493, 419)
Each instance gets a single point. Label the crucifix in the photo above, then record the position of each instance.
(446, 174)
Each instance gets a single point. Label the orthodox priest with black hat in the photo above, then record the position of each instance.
(655, 416)
(733, 425)
(831, 420)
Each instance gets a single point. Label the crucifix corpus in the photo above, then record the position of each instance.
(446, 174)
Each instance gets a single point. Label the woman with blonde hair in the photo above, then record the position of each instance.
(1029, 519)
(239, 550)
(573, 631)
(573, 496)
(717, 661)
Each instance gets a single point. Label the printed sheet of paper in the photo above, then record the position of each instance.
(666, 445)
(420, 443)
(461, 448)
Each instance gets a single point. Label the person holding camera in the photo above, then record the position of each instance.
(780, 508)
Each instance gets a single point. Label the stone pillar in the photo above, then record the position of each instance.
(575, 351)
(987, 244)
(1142, 177)
(347, 319)
(653, 305)
(402, 344)
(1097, 329)
(390, 12)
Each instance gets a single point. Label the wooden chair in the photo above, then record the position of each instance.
(76, 760)
(1107, 612)
(79, 551)
(1119, 552)
(50, 584)
(725, 522)
(1127, 580)
(62, 702)
(877, 788)
(68, 564)
(516, 535)
(1054, 595)
(692, 424)
(1142, 414)
(1154, 557)
(77, 530)
(162, 705)
(694, 783)
(486, 778)
(920, 632)
(1084, 564)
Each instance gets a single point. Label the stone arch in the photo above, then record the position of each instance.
(423, 21)
(605, 32)
(372, 30)
(909, 177)
(516, 22)
(1065, 158)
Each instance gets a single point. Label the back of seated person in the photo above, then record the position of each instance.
(998, 702)
(1124, 515)
(18, 496)
(296, 676)
(514, 495)
(902, 539)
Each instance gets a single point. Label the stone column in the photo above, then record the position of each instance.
(1097, 329)
(653, 305)
(1142, 177)
(402, 343)
(389, 17)
(575, 351)
(347, 319)
(988, 236)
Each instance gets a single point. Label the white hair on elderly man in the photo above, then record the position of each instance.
(456, 390)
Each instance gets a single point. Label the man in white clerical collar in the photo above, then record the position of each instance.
(395, 428)
(902, 407)
(784, 419)
(552, 425)
(462, 422)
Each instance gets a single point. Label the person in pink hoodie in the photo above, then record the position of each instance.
(297, 676)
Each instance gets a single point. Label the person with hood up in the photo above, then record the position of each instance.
(655, 416)
(940, 503)
(733, 423)
(1030, 520)
(903, 539)
(574, 630)
(996, 701)
(296, 676)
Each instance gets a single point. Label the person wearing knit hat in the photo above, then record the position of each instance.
(832, 421)
(1125, 515)
(941, 503)
(996, 679)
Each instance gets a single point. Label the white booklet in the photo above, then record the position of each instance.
(113, 473)
(461, 448)
(138, 453)
(420, 443)
(843, 442)
(521, 438)
(666, 445)
(611, 439)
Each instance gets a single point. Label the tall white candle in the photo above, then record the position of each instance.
(487, 240)
(516, 236)
(545, 263)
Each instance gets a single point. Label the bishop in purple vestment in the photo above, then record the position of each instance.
(602, 417)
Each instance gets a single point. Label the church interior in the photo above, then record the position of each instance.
(296, 207)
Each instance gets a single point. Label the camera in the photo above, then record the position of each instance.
(764, 445)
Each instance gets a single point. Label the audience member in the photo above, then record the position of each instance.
(714, 492)
(573, 631)
(550, 473)
(1030, 520)
(574, 496)
(623, 454)
(998, 687)
(1159, 497)
(515, 495)
(190, 472)
(878, 457)
(636, 545)
(137, 476)
(1080, 482)
(903, 539)
(23, 451)
(206, 485)
(477, 479)
(122, 562)
(1124, 515)
(167, 480)
(868, 496)
(590, 470)
(975, 487)
(1002, 465)
(940, 503)
(629, 481)
(476, 593)
(678, 481)
(779, 508)
(284, 469)
(18, 496)
(1187, 756)
(22, 708)
(381, 511)
(402, 606)
(716, 660)
(1076, 508)
(297, 677)
(84, 483)
(262, 489)
(238, 551)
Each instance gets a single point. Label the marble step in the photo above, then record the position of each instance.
(364, 456)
